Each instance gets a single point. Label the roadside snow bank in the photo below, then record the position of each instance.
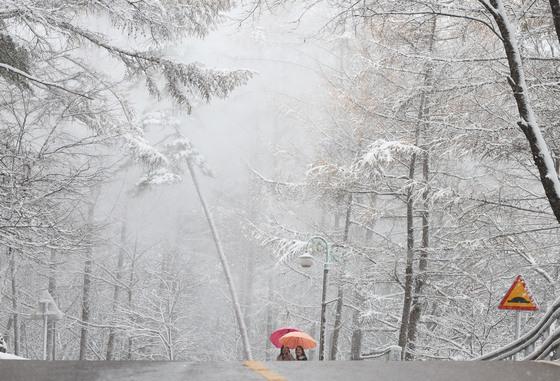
(7, 356)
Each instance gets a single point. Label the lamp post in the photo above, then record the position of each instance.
(306, 260)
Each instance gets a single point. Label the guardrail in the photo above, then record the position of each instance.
(539, 343)
(391, 353)
(527, 344)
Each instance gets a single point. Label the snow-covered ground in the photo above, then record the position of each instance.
(7, 356)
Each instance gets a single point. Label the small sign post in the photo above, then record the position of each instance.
(518, 298)
(48, 310)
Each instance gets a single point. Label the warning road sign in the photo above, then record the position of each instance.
(518, 297)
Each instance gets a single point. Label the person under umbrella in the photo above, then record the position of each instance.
(298, 339)
(300, 354)
(285, 354)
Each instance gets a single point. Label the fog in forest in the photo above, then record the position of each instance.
(179, 176)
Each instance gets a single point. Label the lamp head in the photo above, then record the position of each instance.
(306, 260)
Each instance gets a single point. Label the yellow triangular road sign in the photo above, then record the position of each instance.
(518, 297)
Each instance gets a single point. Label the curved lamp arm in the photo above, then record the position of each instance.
(325, 244)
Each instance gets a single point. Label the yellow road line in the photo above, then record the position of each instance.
(258, 367)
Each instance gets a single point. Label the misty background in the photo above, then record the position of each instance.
(390, 132)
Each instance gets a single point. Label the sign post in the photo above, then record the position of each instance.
(517, 324)
(45, 305)
(48, 310)
(518, 298)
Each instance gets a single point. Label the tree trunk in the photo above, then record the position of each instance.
(51, 332)
(117, 289)
(86, 288)
(528, 124)
(130, 295)
(555, 9)
(407, 301)
(372, 199)
(337, 322)
(357, 333)
(16, 345)
(423, 113)
(420, 278)
(85, 304)
(225, 266)
(340, 294)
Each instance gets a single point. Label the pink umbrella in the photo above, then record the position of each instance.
(276, 335)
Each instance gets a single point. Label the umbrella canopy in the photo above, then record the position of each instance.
(276, 335)
(298, 339)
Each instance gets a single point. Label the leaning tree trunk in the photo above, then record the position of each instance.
(340, 294)
(528, 123)
(225, 266)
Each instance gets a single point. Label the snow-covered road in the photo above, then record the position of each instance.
(278, 371)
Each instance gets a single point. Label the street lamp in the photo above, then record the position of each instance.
(306, 260)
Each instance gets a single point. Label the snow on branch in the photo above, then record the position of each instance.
(289, 189)
(166, 164)
(381, 153)
(40, 81)
(283, 249)
(183, 82)
(160, 176)
(165, 19)
(143, 152)
(328, 178)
